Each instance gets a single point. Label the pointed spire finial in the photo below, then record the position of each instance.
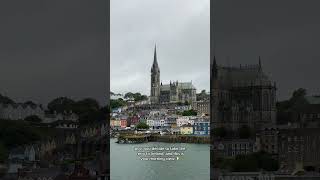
(155, 53)
(155, 62)
(259, 61)
(260, 66)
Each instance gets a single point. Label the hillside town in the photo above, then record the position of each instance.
(53, 142)
(253, 134)
(164, 119)
(171, 109)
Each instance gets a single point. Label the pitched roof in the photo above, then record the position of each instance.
(165, 87)
(248, 75)
(181, 85)
(186, 85)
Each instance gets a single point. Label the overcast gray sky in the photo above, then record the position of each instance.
(53, 48)
(284, 33)
(181, 29)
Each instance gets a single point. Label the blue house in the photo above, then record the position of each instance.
(201, 128)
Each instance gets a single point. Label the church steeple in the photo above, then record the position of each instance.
(155, 79)
(155, 66)
(214, 68)
(260, 66)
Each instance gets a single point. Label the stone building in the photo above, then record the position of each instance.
(169, 93)
(202, 107)
(267, 140)
(233, 147)
(242, 96)
(299, 145)
(309, 116)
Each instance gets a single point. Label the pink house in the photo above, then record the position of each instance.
(123, 123)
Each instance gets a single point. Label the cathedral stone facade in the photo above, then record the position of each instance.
(169, 93)
(242, 96)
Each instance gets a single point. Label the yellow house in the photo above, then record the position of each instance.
(186, 129)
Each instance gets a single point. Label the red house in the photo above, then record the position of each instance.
(123, 123)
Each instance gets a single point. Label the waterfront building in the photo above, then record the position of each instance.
(30, 153)
(19, 111)
(186, 129)
(117, 123)
(69, 116)
(169, 93)
(171, 122)
(242, 96)
(182, 120)
(123, 123)
(150, 123)
(114, 123)
(201, 128)
(183, 108)
(65, 124)
(233, 147)
(300, 145)
(202, 107)
(267, 141)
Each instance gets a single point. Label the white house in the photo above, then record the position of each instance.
(20, 111)
(150, 122)
(184, 120)
(69, 116)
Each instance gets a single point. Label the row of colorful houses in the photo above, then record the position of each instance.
(198, 128)
(186, 125)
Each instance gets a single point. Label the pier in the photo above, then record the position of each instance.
(134, 138)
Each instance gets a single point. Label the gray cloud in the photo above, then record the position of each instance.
(284, 33)
(53, 48)
(181, 29)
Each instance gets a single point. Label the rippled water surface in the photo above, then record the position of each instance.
(126, 165)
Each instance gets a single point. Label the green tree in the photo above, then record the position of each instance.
(33, 118)
(3, 153)
(61, 104)
(13, 133)
(136, 96)
(219, 132)
(30, 103)
(202, 95)
(297, 100)
(255, 162)
(266, 161)
(287, 109)
(245, 132)
(245, 163)
(117, 103)
(6, 100)
(85, 105)
(142, 125)
(190, 112)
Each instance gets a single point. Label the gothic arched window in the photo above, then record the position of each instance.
(266, 101)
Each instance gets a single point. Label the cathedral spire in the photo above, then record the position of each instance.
(214, 68)
(155, 66)
(214, 62)
(260, 67)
